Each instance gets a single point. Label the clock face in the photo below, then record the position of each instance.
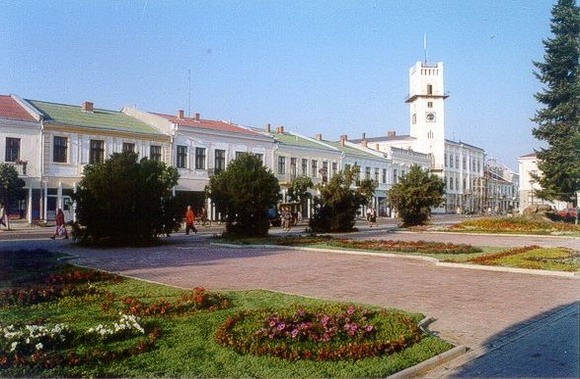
(430, 116)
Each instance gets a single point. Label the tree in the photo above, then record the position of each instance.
(298, 189)
(243, 193)
(557, 122)
(11, 187)
(126, 201)
(335, 209)
(415, 194)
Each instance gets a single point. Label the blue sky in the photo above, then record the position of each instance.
(331, 67)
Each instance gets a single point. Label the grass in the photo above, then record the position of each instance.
(186, 346)
(534, 257)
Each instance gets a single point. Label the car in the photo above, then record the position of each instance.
(567, 213)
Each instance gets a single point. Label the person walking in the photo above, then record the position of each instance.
(203, 216)
(60, 229)
(189, 220)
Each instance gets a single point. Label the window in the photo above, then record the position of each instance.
(181, 156)
(238, 154)
(384, 178)
(395, 178)
(155, 153)
(429, 104)
(464, 164)
(304, 167)
(367, 173)
(334, 168)
(200, 158)
(220, 161)
(414, 118)
(293, 167)
(97, 152)
(376, 174)
(260, 157)
(464, 184)
(457, 161)
(12, 149)
(281, 165)
(59, 149)
(314, 170)
(128, 147)
(445, 158)
(450, 183)
(429, 89)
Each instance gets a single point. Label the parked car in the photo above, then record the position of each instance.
(567, 213)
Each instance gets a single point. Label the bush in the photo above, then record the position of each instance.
(243, 193)
(124, 201)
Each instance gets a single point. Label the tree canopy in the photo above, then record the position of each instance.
(243, 193)
(11, 185)
(557, 122)
(339, 201)
(415, 194)
(126, 201)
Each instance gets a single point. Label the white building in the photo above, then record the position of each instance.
(528, 168)
(201, 148)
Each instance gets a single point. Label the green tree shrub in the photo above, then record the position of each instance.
(243, 193)
(126, 201)
(415, 194)
(11, 186)
(558, 123)
(335, 209)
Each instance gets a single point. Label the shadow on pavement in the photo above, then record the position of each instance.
(544, 346)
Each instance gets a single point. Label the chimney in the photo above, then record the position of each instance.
(364, 142)
(197, 116)
(391, 133)
(343, 139)
(364, 136)
(318, 137)
(280, 129)
(268, 128)
(180, 114)
(377, 147)
(87, 107)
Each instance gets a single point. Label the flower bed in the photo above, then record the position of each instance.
(521, 225)
(420, 247)
(321, 334)
(533, 257)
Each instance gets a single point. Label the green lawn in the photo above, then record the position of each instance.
(183, 343)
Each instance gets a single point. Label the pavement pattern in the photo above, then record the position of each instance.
(475, 308)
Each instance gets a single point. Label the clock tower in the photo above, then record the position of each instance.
(427, 112)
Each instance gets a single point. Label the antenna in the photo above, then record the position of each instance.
(425, 46)
(189, 92)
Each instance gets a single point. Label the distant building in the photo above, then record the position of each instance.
(528, 168)
(501, 188)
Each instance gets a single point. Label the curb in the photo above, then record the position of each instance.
(430, 363)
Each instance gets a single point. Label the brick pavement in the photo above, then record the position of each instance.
(470, 305)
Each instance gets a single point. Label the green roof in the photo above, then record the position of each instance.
(98, 119)
(349, 150)
(294, 140)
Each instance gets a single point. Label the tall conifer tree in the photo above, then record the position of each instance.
(558, 122)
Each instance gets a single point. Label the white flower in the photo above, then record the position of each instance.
(13, 346)
(39, 346)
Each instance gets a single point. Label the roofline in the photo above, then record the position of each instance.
(29, 108)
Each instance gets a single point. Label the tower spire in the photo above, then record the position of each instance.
(425, 46)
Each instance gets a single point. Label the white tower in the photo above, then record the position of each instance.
(427, 112)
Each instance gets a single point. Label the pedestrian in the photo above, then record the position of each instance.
(369, 210)
(286, 219)
(189, 220)
(373, 217)
(203, 216)
(60, 229)
(2, 214)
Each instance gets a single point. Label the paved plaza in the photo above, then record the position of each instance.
(483, 310)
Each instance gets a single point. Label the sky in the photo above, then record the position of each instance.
(331, 67)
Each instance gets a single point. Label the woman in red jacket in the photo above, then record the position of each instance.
(189, 220)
